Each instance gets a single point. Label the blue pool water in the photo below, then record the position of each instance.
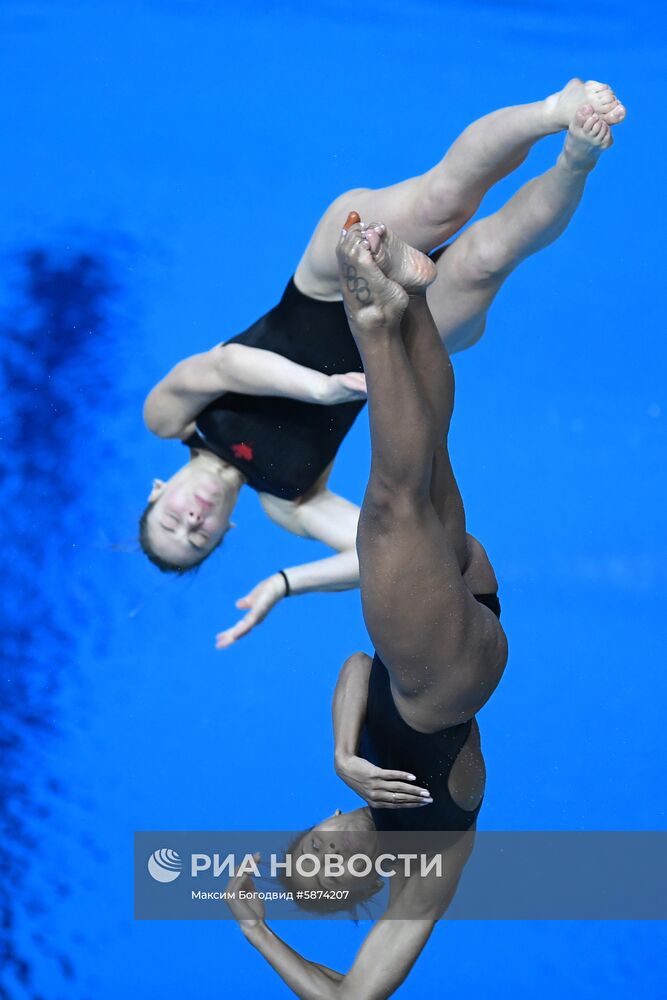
(154, 153)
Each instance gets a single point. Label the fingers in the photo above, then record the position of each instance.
(398, 795)
(355, 382)
(405, 789)
(224, 640)
(395, 781)
(400, 788)
(395, 775)
(399, 800)
(258, 603)
(403, 805)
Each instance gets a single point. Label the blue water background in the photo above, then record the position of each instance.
(187, 149)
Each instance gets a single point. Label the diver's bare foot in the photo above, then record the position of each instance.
(372, 301)
(561, 107)
(409, 268)
(587, 137)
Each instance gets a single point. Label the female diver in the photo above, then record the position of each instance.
(271, 407)
(406, 738)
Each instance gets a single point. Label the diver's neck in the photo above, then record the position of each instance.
(213, 463)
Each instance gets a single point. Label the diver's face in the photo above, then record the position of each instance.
(345, 834)
(190, 514)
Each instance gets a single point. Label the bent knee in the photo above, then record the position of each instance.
(348, 201)
(445, 206)
(483, 260)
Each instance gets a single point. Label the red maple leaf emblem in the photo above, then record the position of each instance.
(243, 451)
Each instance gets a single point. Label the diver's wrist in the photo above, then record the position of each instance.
(254, 931)
(284, 579)
(322, 387)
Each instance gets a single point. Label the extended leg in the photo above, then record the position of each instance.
(428, 209)
(434, 380)
(433, 375)
(472, 270)
(425, 624)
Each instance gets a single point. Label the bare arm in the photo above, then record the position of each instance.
(339, 572)
(375, 785)
(324, 517)
(384, 960)
(387, 954)
(393, 945)
(176, 401)
(309, 980)
(349, 706)
(390, 949)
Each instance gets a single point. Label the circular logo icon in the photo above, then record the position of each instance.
(165, 865)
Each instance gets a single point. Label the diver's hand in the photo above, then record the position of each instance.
(257, 604)
(249, 912)
(344, 388)
(379, 787)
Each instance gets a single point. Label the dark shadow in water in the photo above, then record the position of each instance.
(55, 335)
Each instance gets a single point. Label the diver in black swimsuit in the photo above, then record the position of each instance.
(388, 742)
(268, 409)
(282, 445)
(406, 738)
(271, 407)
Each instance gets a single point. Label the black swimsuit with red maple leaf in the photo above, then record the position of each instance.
(282, 446)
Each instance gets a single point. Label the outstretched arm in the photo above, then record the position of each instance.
(382, 963)
(390, 949)
(324, 517)
(176, 401)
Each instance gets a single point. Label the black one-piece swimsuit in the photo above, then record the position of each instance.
(282, 446)
(388, 741)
